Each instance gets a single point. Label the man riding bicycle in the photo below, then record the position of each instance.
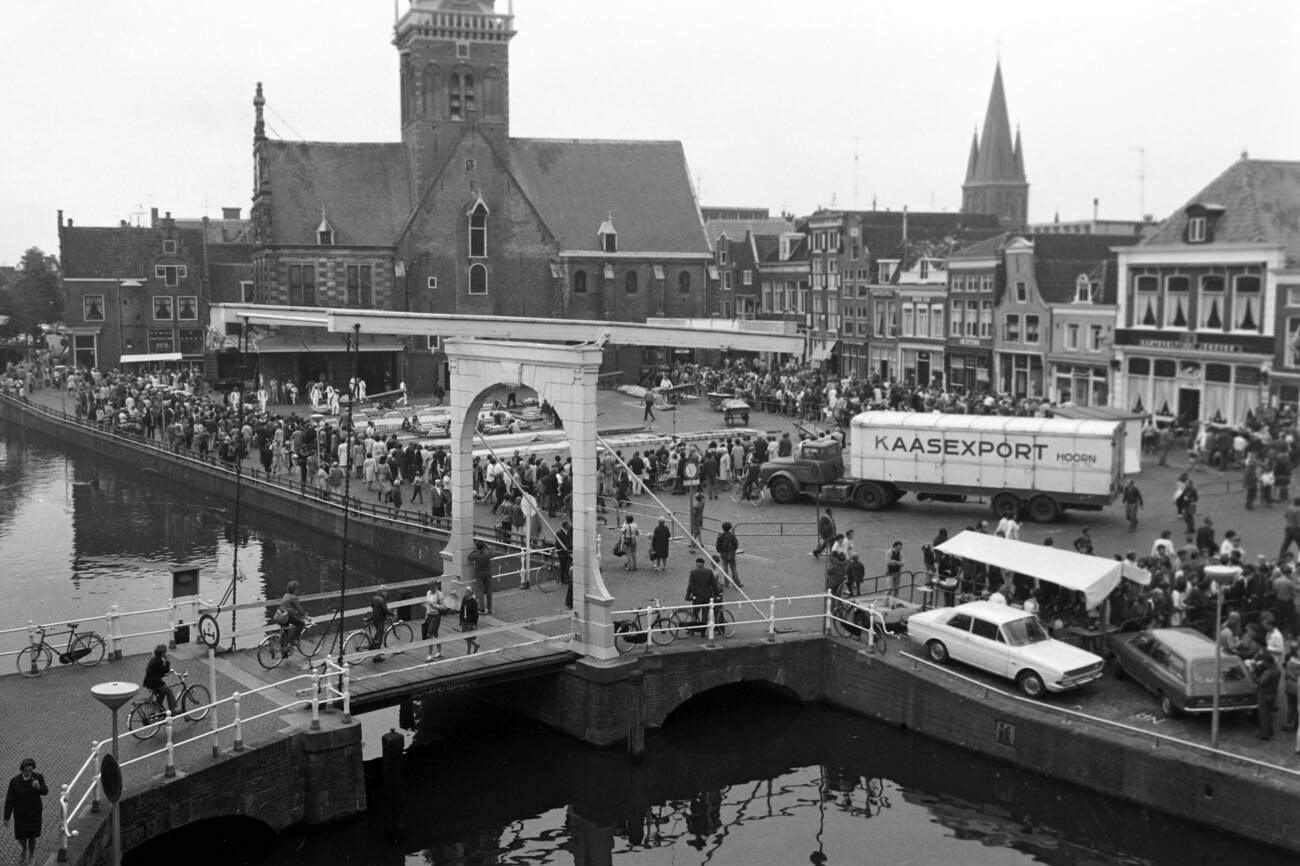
(296, 617)
(155, 673)
(752, 471)
(379, 616)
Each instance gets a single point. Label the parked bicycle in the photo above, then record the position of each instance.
(546, 576)
(276, 646)
(753, 494)
(857, 621)
(147, 714)
(86, 649)
(687, 621)
(645, 626)
(396, 634)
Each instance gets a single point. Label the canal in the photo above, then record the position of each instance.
(736, 777)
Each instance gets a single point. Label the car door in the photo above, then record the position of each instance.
(956, 634)
(1136, 660)
(988, 649)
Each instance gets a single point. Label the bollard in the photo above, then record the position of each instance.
(170, 771)
(393, 745)
(239, 723)
(771, 618)
(347, 695)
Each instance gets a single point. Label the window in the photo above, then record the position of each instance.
(429, 93)
(986, 283)
(1022, 292)
(936, 320)
(432, 342)
(1246, 307)
(722, 250)
(984, 628)
(462, 50)
(92, 308)
(726, 281)
(460, 94)
(170, 274)
(580, 282)
(958, 283)
(909, 321)
(478, 279)
(960, 622)
(302, 285)
(1178, 293)
(766, 301)
(884, 270)
(478, 231)
(325, 238)
(84, 350)
(684, 283)
(162, 308)
(1082, 289)
(493, 94)
(972, 318)
(471, 164)
(629, 282)
(1071, 337)
(854, 250)
(1196, 230)
(747, 277)
(1011, 329)
(169, 248)
(922, 320)
(358, 279)
(1031, 329)
(1212, 300)
(187, 308)
(986, 319)
(247, 293)
(1094, 338)
(433, 282)
(609, 241)
(925, 269)
(1146, 297)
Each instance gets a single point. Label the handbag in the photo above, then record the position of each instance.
(618, 548)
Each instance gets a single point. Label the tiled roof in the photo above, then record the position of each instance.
(220, 231)
(121, 251)
(363, 189)
(1261, 201)
(989, 247)
(238, 254)
(735, 229)
(928, 233)
(577, 184)
(1059, 259)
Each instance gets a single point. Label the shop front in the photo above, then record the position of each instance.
(922, 367)
(882, 360)
(1080, 384)
(1194, 378)
(1020, 374)
(970, 371)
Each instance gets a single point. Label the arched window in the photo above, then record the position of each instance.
(460, 93)
(429, 92)
(684, 282)
(478, 279)
(408, 95)
(629, 283)
(478, 231)
(580, 283)
(494, 103)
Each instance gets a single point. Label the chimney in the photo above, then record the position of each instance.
(167, 220)
(1095, 202)
(230, 213)
(153, 217)
(60, 217)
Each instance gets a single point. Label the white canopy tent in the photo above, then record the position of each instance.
(1094, 576)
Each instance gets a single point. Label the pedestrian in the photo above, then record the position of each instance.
(1291, 676)
(659, 546)
(1291, 527)
(628, 533)
(649, 414)
(825, 532)
(436, 605)
(894, 566)
(697, 520)
(854, 573)
(1132, 504)
(469, 619)
(1187, 500)
(1083, 544)
(701, 587)
(23, 805)
(727, 546)
(1250, 481)
(480, 560)
(1266, 679)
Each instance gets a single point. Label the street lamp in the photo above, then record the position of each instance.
(1223, 576)
(113, 695)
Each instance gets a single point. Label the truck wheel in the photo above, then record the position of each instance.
(869, 497)
(783, 490)
(1006, 505)
(1043, 509)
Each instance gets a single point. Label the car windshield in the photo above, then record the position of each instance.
(1230, 671)
(1024, 631)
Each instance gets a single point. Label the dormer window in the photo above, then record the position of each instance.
(1082, 289)
(1201, 219)
(169, 248)
(324, 231)
(607, 236)
(1196, 230)
(478, 214)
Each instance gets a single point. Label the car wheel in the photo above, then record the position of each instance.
(1006, 505)
(1043, 509)
(783, 491)
(1031, 684)
(1167, 708)
(937, 652)
(869, 497)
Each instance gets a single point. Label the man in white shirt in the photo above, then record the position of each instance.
(1009, 528)
(1163, 547)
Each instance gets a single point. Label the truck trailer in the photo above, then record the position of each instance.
(1035, 467)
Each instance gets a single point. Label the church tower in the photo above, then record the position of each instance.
(454, 65)
(995, 170)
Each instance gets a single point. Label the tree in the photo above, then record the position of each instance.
(36, 298)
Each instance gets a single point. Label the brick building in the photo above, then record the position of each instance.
(459, 217)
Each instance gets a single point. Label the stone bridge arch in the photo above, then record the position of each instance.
(565, 377)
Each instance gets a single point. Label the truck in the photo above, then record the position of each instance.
(1031, 467)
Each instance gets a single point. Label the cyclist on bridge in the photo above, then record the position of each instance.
(155, 673)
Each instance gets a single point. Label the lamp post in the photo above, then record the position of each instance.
(113, 695)
(352, 344)
(1222, 575)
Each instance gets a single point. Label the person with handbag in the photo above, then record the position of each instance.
(23, 805)
(628, 533)
(436, 605)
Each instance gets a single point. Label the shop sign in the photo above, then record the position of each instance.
(1226, 344)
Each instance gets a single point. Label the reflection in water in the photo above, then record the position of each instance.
(484, 788)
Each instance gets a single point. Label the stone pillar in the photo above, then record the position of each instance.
(463, 393)
(334, 781)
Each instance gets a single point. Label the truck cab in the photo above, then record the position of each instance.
(813, 464)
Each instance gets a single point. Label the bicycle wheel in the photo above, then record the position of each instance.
(34, 660)
(548, 577)
(663, 631)
(197, 695)
(310, 640)
(683, 622)
(878, 641)
(209, 631)
(626, 635)
(724, 622)
(88, 649)
(841, 619)
(271, 651)
(399, 634)
(357, 642)
(142, 720)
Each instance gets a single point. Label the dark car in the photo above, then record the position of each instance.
(1177, 666)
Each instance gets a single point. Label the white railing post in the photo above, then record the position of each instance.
(315, 703)
(239, 723)
(771, 618)
(114, 634)
(649, 625)
(347, 693)
(94, 798)
(711, 632)
(33, 656)
(212, 690)
(170, 771)
(826, 621)
(171, 624)
(64, 834)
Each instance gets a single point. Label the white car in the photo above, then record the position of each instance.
(1006, 641)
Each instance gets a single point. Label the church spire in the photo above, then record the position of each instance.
(995, 171)
(996, 158)
(974, 155)
(1019, 157)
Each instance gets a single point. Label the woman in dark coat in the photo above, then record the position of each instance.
(23, 804)
(659, 546)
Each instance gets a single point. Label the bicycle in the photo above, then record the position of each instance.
(686, 621)
(752, 494)
(147, 714)
(86, 649)
(396, 633)
(546, 576)
(630, 632)
(276, 646)
(859, 622)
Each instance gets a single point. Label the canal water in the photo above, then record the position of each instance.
(740, 777)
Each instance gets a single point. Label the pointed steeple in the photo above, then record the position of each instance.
(1019, 157)
(259, 124)
(997, 159)
(974, 155)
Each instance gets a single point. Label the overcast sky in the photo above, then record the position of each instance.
(111, 108)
